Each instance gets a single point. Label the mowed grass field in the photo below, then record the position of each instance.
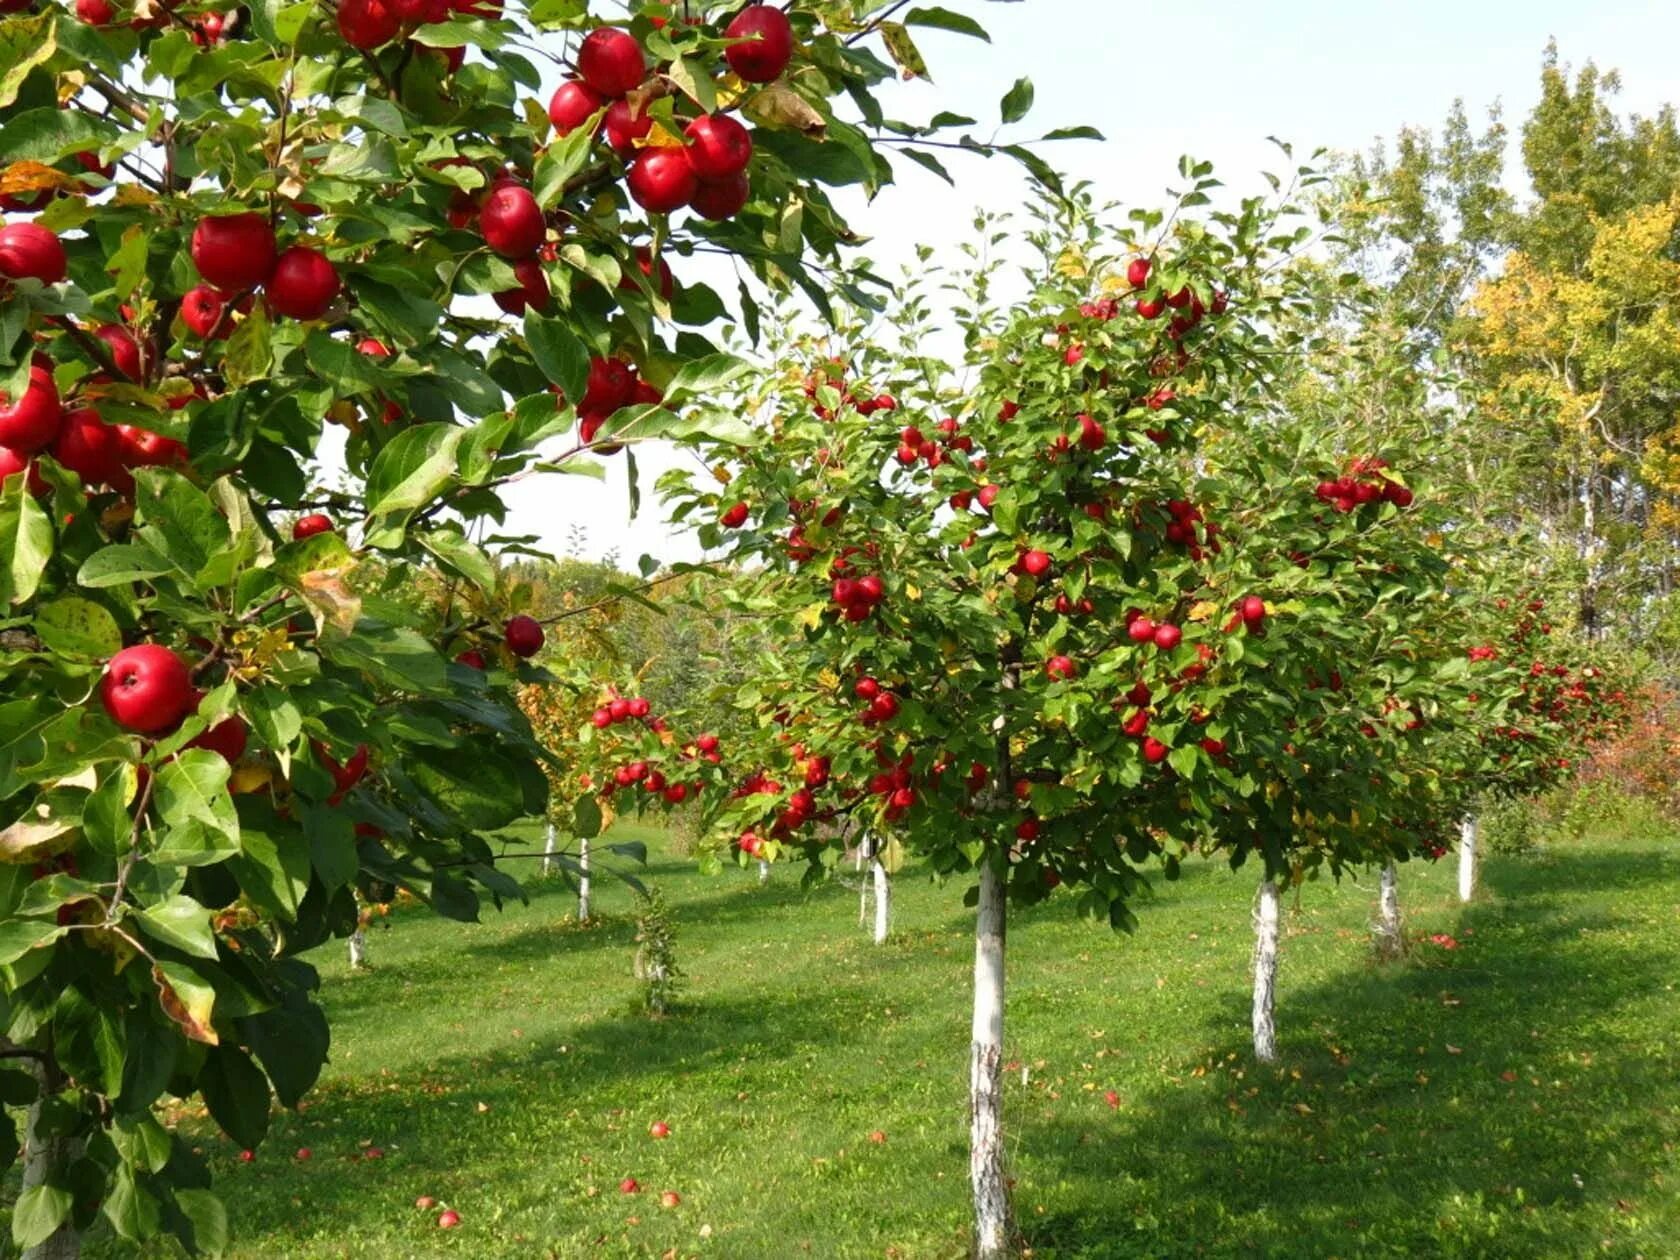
(1516, 1096)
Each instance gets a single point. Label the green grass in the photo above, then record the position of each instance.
(1517, 1097)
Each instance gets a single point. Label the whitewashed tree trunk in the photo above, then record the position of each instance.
(883, 900)
(583, 879)
(1389, 938)
(358, 949)
(1467, 836)
(45, 1159)
(864, 852)
(763, 871)
(1265, 970)
(551, 846)
(994, 1231)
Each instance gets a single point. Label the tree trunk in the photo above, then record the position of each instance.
(583, 879)
(763, 871)
(863, 853)
(358, 949)
(994, 1231)
(1390, 942)
(550, 848)
(883, 900)
(46, 1159)
(1265, 970)
(1467, 858)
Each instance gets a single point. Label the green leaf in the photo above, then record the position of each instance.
(466, 558)
(332, 845)
(39, 1211)
(273, 868)
(411, 471)
(1017, 101)
(1073, 133)
(182, 922)
(291, 1042)
(133, 1211)
(25, 42)
(73, 626)
(182, 525)
(105, 818)
(202, 1208)
(586, 818)
(273, 716)
(393, 655)
(482, 795)
(141, 1141)
(694, 78)
(236, 1092)
(945, 20)
(903, 49)
(19, 936)
(558, 352)
(121, 563)
(193, 788)
(562, 160)
(705, 374)
(26, 540)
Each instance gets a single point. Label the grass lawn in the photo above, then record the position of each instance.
(1518, 1096)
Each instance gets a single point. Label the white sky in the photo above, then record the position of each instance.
(1212, 78)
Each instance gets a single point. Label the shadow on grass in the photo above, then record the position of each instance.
(1463, 1105)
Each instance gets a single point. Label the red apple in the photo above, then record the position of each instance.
(718, 146)
(17, 462)
(1061, 667)
(228, 737)
(146, 688)
(573, 104)
(629, 1185)
(719, 199)
(125, 351)
(1167, 637)
(303, 285)
(764, 43)
(1035, 563)
(30, 251)
(734, 516)
(367, 24)
(95, 12)
(87, 446)
(33, 420)
(532, 291)
(247, 1156)
(610, 61)
(1091, 434)
(1140, 630)
(1137, 272)
(1154, 751)
(512, 221)
(523, 635)
(425, 1203)
(626, 125)
(659, 1129)
(201, 310)
(142, 448)
(1149, 308)
(310, 525)
(234, 252)
(661, 180)
(449, 1219)
(1253, 610)
(669, 1198)
(472, 658)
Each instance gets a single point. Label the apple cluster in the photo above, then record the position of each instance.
(1364, 481)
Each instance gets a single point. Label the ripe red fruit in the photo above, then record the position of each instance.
(523, 635)
(866, 689)
(201, 310)
(28, 250)
(17, 462)
(718, 146)
(246, 1157)
(988, 495)
(303, 284)
(573, 104)
(532, 291)
(234, 252)
(1137, 272)
(719, 199)
(625, 126)
(511, 221)
(669, 1199)
(610, 61)
(1150, 308)
(472, 658)
(1091, 434)
(425, 1203)
(629, 1185)
(1060, 667)
(146, 688)
(310, 525)
(870, 589)
(95, 12)
(764, 43)
(734, 516)
(125, 351)
(33, 420)
(141, 448)
(449, 1219)
(1167, 637)
(659, 1129)
(1027, 830)
(1035, 563)
(1154, 751)
(1179, 300)
(610, 384)
(228, 737)
(707, 743)
(367, 23)
(661, 180)
(87, 446)
(1253, 610)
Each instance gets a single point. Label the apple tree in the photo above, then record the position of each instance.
(290, 292)
(1038, 611)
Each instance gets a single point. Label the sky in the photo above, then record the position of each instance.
(1211, 78)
